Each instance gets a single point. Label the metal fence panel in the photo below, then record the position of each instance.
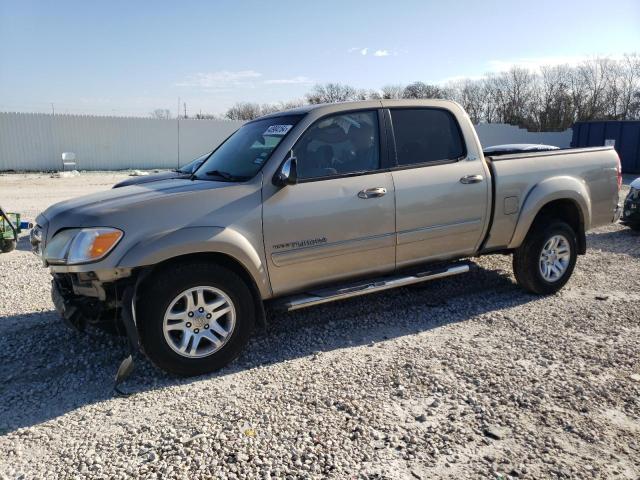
(500, 133)
(35, 141)
(624, 135)
(199, 136)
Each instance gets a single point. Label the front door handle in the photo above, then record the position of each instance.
(471, 179)
(372, 192)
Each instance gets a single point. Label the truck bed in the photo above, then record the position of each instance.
(587, 175)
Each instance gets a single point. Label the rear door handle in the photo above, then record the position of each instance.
(372, 192)
(471, 179)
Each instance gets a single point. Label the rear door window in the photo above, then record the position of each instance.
(426, 135)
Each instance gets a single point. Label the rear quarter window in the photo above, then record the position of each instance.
(426, 135)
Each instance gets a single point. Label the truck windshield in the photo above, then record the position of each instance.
(242, 155)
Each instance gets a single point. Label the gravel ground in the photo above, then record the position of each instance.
(464, 377)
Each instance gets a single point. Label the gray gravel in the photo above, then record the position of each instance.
(465, 377)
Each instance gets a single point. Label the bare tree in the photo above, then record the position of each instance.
(593, 76)
(514, 96)
(555, 109)
(205, 116)
(161, 114)
(422, 90)
(629, 78)
(471, 95)
(331, 93)
(364, 94)
(243, 111)
(552, 98)
(297, 103)
(392, 92)
(267, 108)
(249, 111)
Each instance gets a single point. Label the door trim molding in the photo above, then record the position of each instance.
(434, 231)
(334, 249)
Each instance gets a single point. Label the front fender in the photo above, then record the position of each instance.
(550, 189)
(192, 240)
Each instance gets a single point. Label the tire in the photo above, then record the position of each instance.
(8, 246)
(528, 257)
(161, 337)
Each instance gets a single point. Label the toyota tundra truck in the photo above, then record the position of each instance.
(314, 205)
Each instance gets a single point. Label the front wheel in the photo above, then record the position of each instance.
(195, 318)
(545, 261)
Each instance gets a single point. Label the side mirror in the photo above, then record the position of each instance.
(288, 173)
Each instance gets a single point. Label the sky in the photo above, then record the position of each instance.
(127, 58)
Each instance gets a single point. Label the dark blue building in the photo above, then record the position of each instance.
(624, 135)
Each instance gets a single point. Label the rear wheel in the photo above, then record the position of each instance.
(195, 318)
(545, 261)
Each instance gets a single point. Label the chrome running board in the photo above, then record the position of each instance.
(317, 297)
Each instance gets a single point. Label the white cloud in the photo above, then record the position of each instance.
(377, 53)
(299, 80)
(221, 79)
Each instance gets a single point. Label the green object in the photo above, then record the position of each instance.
(9, 230)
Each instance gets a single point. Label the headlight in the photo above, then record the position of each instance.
(633, 193)
(84, 245)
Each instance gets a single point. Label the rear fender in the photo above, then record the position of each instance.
(555, 188)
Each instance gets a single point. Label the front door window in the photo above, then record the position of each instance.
(339, 145)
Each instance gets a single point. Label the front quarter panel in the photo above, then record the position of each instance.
(192, 240)
(163, 220)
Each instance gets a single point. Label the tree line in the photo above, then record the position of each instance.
(552, 98)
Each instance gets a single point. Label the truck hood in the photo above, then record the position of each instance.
(154, 177)
(152, 207)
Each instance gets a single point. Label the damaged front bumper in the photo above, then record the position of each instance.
(115, 302)
(83, 299)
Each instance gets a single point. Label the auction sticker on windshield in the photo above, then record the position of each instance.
(277, 130)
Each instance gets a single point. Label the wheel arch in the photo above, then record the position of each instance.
(217, 258)
(226, 243)
(219, 245)
(563, 198)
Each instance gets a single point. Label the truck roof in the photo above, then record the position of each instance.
(362, 104)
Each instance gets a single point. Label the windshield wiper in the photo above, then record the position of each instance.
(226, 175)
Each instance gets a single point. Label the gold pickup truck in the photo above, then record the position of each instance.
(314, 205)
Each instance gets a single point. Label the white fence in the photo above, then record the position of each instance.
(499, 133)
(36, 141)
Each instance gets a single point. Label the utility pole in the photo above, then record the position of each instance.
(53, 110)
(185, 109)
(178, 110)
